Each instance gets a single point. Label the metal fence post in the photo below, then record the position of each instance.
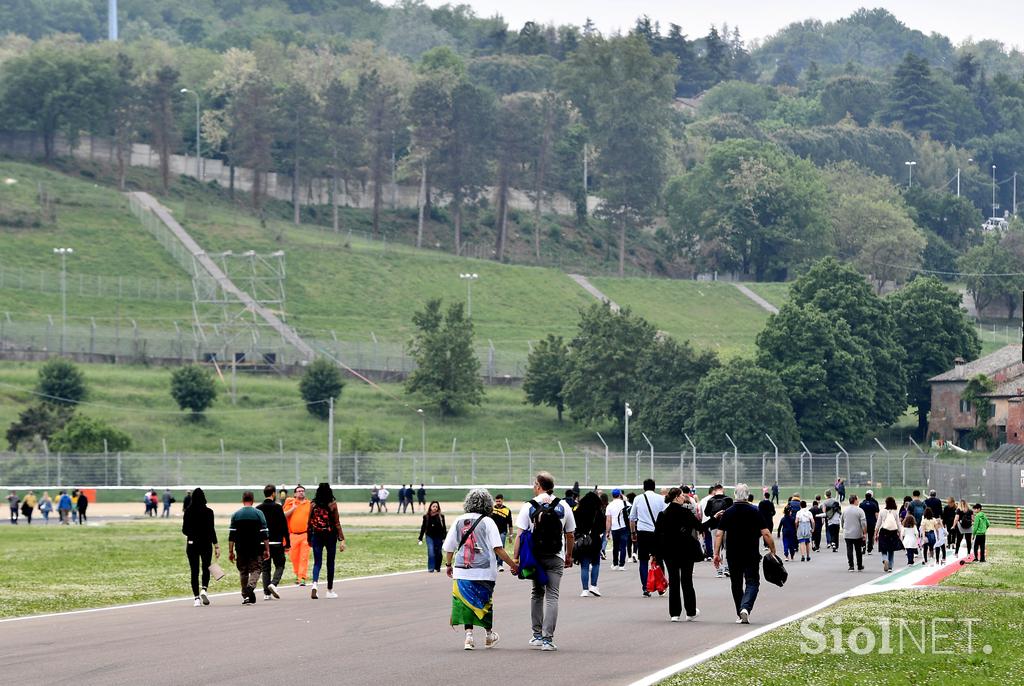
(118, 468)
(238, 469)
(904, 460)
(59, 469)
(355, 457)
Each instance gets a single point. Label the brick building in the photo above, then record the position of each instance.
(952, 418)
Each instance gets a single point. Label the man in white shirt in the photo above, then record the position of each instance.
(382, 495)
(544, 598)
(616, 523)
(646, 508)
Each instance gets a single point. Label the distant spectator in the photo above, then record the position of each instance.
(435, 530)
(200, 541)
(64, 508)
(82, 505)
(45, 507)
(382, 496)
(168, 498)
(13, 501)
(421, 497)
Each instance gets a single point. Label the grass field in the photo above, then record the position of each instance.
(54, 569)
(710, 314)
(989, 593)
(137, 400)
(775, 293)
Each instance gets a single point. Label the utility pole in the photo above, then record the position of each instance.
(1015, 193)
(625, 446)
(958, 182)
(993, 191)
(63, 252)
(330, 440)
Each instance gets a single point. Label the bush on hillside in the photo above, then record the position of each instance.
(193, 389)
(89, 435)
(61, 382)
(321, 382)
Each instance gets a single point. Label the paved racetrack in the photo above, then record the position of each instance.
(394, 630)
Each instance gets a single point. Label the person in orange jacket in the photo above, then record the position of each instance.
(296, 509)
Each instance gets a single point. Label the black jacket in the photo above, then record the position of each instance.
(277, 524)
(673, 540)
(871, 510)
(433, 526)
(767, 509)
(197, 525)
(936, 506)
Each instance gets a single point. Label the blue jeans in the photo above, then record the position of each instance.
(434, 553)
(745, 572)
(318, 542)
(589, 571)
(888, 556)
(620, 542)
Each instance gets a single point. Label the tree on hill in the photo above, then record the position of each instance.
(606, 354)
(840, 292)
(447, 369)
(745, 401)
(668, 374)
(193, 389)
(546, 370)
(933, 331)
(380, 117)
(320, 382)
(161, 92)
(89, 435)
(825, 370)
(36, 425)
(856, 96)
(914, 99)
(990, 272)
(61, 382)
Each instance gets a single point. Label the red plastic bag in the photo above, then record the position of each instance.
(656, 581)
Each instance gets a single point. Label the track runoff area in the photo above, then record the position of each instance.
(393, 628)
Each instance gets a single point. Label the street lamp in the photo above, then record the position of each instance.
(910, 168)
(969, 159)
(198, 154)
(625, 446)
(63, 252)
(993, 191)
(469, 279)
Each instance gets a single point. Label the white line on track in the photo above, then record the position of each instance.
(179, 600)
(866, 588)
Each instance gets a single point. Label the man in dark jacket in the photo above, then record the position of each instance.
(871, 509)
(717, 504)
(247, 546)
(277, 533)
(934, 503)
(767, 510)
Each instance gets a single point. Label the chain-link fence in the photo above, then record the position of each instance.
(461, 469)
(95, 285)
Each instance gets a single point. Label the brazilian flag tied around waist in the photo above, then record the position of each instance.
(471, 603)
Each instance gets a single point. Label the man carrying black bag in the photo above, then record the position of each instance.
(744, 526)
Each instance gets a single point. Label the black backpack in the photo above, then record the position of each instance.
(547, 528)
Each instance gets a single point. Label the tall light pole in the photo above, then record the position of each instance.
(423, 442)
(969, 159)
(993, 191)
(469, 279)
(198, 154)
(627, 413)
(63, 252)
(910, 171)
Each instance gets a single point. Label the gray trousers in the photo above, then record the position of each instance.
(544, 599)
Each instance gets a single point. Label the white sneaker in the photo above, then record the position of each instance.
(469, 645)
(585, 593)
(312, 593)
(673, 619)
(690, 618)
(492, 639)
(331, 594)
(273, 591)
(536, 642)
(197, 603)
(548, 645)
(744, 616)
(594, 590)
(204, 597)
(267, 597)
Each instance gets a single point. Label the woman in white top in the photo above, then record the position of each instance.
(804, 529)
(888, 533)
(474, 544)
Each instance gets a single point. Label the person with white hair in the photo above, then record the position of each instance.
(471, 549)
(744, 526)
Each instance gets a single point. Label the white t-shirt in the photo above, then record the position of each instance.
(805, 515)
(383, 493)
(568, 519)
(703, 506)
(476, 560)
(614, 510)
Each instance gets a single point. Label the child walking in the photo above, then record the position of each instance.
(941, 536)
(928, 538)
(911, 539)
(981, 525)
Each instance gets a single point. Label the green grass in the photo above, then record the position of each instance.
(55, 568)
(989, 593)
(775, 293)
(710, 314)
(137, 400)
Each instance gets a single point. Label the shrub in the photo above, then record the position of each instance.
(87, 435)
(61, 382)
(193, 389)
(321, 382)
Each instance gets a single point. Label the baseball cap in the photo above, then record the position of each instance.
(869, 492)
(616, 492)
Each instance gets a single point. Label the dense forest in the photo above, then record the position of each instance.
(752, 158)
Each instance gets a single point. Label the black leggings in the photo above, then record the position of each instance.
(199, 553)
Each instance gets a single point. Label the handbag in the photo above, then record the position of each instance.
(216, 572)
(656, 581)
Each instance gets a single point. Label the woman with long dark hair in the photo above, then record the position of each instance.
(324, 529)
(434, 528)
(589, 531)
(201, 540)
(678, 534)
(889, 533)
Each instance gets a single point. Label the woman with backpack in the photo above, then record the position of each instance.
(963, 524)
(587, 547)
(471, 550)
(678, 534)
(434, 528)
(324, 529)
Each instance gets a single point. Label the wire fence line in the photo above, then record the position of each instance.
(461, 469)
(118, 287)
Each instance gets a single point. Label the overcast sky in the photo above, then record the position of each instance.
(999, 19)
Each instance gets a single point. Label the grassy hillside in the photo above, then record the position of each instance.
(710, 314)
(137, 401)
